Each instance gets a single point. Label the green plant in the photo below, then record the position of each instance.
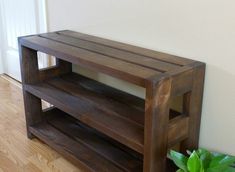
(202, 160)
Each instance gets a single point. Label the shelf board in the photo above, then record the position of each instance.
(85, 147)
(82, 145)
(117, 114)
(118, 120)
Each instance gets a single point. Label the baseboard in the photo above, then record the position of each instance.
(11, 80)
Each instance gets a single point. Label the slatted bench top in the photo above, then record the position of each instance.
(127, 62)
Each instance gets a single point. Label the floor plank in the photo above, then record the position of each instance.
(17, 153)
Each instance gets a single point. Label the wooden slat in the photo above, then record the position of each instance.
(77, 153)
(115, 53)
(61, 67)
(98, 100)
(107, 91)
(117, 120)
(120, 129)
(114, 67)
(94, 141)
(132, 108)
(130, 48)
(182, 81)
(178, 130)
(111, 93)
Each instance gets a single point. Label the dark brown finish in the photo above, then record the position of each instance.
(105, 129)
(129, 48)
(85, 144)
(30, 75)
(112, 52)
(178, 130)
(107, 115)
(193, 107)
(118, 120)
(156, 124)
(61, 67)
(95, 141)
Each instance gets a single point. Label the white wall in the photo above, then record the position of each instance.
(202, 30)
(1, 61)
(1, 46)
(15, 21)
(1, 66)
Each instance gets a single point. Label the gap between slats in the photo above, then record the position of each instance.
(129, 48)
(137, 59)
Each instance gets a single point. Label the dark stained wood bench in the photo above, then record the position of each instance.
(100, 128)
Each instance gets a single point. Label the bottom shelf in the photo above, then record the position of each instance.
(85, 147)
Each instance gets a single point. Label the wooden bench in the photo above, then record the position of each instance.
(100, 128)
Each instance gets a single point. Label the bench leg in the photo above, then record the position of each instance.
(33, 111)
(30, 75)
(156, 125)
(192, 108)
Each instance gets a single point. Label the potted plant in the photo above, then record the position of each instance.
(202, 160)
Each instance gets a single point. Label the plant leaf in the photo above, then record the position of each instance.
(180, 170)
(216, 154)
(216, 159)
(194, 164)
(221, 163)
(227, 161)
(205, 158)
(230, 169)
(179, 159)
(201, 151)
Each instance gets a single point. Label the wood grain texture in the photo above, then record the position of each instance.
(127, 62)
(33, 155)
(130, 48)
(156, 125)
(145, 128)
(61, 67)
(30, 75)
(17, 152)
(106, 113)
(73, 151)
(112, 52)
(121, 69)
(97, 142)
(120, 128)
(193, 108)
(92, 146)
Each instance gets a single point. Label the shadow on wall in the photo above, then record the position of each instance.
(218, 119)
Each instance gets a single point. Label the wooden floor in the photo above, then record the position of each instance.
(17, 152)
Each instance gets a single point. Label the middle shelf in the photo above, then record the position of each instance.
(115, 113)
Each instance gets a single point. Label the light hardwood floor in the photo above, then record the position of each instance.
(17, 152)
